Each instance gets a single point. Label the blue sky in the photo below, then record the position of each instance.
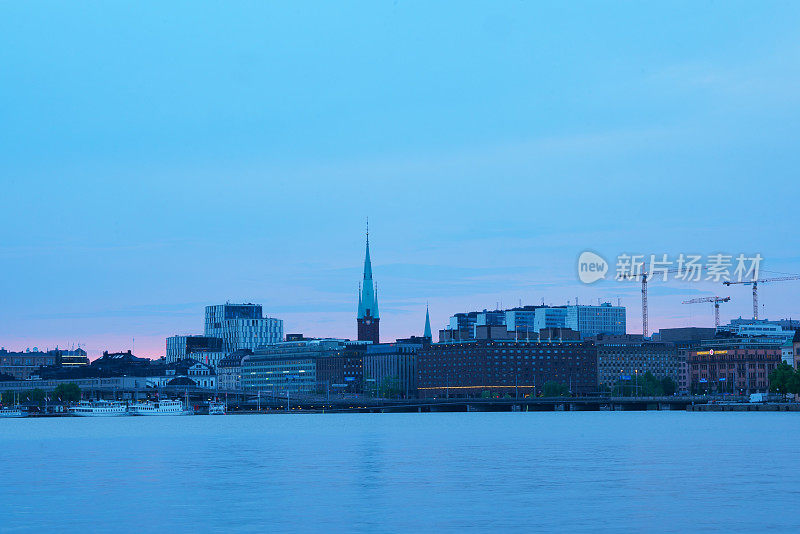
(156, 157)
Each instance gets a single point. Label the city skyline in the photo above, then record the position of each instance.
(489, 148)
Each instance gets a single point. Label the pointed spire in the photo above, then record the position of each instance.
(427, 333)
(368, 299)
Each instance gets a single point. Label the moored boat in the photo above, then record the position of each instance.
(159, 407)
(100, 408)
(216, 408)
(13, 411)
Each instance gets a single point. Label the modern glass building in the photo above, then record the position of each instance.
(182, 347)
(241, 326)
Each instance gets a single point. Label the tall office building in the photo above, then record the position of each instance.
(593, 320)
(368, 319)
(241, 326)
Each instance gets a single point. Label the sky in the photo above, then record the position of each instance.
(158, 157)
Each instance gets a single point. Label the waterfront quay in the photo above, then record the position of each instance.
(529, 404)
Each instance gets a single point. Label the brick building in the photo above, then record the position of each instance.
(468, 369)
(741, 369)
(630, 354)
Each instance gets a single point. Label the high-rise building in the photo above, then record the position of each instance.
(241, 326)
(593, 320)
(368, 319)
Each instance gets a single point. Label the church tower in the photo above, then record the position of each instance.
(368, 317)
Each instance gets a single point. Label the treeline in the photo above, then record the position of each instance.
(646, 385)
(62, 393)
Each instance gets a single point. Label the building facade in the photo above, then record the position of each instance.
(21, 365)
(521, 320)
(524, 321)
(473, 368)
(342, 371)
(229, 371)
(390, 370)
(796, 347)
(625, 356)
(181, 347)
(731, 367)
(287, 367)
(593, 320)
(190, 373)
(685, 339)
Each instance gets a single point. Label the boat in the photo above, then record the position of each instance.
(216, 408)
(160, 407)
(12, 411)
(100, 408)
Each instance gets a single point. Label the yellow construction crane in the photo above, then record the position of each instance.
(755, 283)
(715, 300)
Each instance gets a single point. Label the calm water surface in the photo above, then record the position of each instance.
(521, 472)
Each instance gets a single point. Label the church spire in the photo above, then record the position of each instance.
(367, 261)
(368, 316)
(428, 335)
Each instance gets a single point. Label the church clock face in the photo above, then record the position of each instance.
(368, 321)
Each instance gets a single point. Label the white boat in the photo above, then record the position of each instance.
(161, 407)
(100, 408)
(216, 408)
(15, 411)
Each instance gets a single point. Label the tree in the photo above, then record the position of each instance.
(486, 394)
(8, 397)
(668, 386)
(782, 379)
(67, 392)
(555, 389)
(390, 388)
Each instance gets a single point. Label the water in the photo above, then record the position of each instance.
(572, 471)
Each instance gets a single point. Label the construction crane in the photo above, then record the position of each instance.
(644, 276)
(715, 300)
(755, 283)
